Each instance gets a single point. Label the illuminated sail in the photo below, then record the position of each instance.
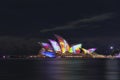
(76, 48)
(55, 45)
(48, 54)
(63, 44)
(46, 46)
(91, 50)
(67, 47)
(85, 51)
(71, 50)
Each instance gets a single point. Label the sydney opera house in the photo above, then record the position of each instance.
(61, 48)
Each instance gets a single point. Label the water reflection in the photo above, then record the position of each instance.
(112, 69)
(60, 69)
(75, 70)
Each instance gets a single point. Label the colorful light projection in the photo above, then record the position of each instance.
(67, 47)
(91, 50)
(76, 48)
(63, 48)
(71, 51)
(63, 44)
(55, 45)
(46, 46)
(48, 54)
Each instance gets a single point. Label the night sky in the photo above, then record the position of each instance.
(95, 23)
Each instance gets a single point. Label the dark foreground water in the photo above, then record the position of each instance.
(60, 69)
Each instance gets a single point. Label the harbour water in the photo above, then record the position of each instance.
(60, 69)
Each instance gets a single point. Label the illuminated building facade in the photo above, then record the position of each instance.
(63, 48)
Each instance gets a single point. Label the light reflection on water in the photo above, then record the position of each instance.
(112, 69)
(60, 69)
